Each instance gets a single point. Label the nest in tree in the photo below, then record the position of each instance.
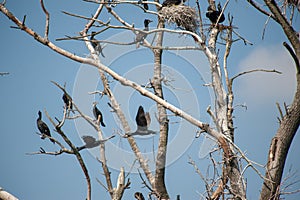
(183, 16)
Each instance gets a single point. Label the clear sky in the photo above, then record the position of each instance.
(27, 89)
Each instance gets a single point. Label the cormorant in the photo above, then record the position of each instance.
(213, 15)
(146, 7)
(98, 115)
(96, 44)
(139, 196)
(142, 120)
(91, 142)
(169, 3)
(68, 102)
(43, 128)
(141, 36)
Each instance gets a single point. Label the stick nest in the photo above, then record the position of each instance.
(183, 16)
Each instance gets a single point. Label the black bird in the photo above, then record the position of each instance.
(91, 142)
(43, 128)
(141, 36)
(98, 115)
(146, 7)
(142, 120)
(169, 3)
(68, 102)
(213, 15)
(96, 44)
(139, 196)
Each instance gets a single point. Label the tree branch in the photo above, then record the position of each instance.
(47, 20)
(294, 56)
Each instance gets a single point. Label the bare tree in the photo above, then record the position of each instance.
(228, 181)
(290, 120)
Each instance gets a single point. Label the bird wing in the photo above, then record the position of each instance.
(96, 112)
(88, 139)
(140, 117)
(44, 129)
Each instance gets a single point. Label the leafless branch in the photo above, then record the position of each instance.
(124, 2)
(279, 109)
(255, 70)
(74, 149)
(294, 56)
(259, 8)
(242, 38)
(192, 162)
(265, 26)
(200, 21)
(47, 20)
(102, 184)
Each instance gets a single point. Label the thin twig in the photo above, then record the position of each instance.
(73, 147)
(255, 70)
(279, 109)
(259, 8)
(47, 20)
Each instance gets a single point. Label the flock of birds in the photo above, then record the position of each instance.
(216, 16)
(142, 121)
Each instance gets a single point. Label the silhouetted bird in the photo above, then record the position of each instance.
(168, 3)
(142, 120)
(213, 15)
(91, 142)
(139, 196)
(68, 102)
(43, 128)
(96, 45)
(146, 7)
(98, 115)
(141, 36)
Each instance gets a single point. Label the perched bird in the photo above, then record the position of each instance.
(91, 142)
(142, 120)
(68, 102)
(141, 36)
(43, 128)
(169, 3)
(213, 15)
(146, 7)
(97, 114)
(96, 44)
(139, 196)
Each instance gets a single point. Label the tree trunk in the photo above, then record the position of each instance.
(279, 148)
(159, 184)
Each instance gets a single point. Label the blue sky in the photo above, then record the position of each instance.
(28, 89)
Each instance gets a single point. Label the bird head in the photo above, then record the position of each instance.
(210, 9)
(95, 103)
(147, 22)
(219, 7)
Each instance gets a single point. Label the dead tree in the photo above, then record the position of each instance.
(230, 182)
(289, 122)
